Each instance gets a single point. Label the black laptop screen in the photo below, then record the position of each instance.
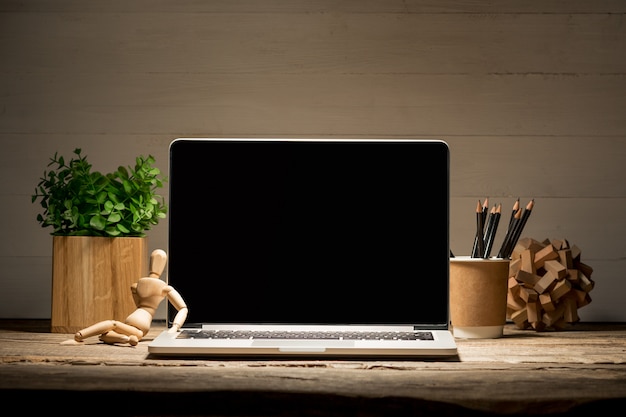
(320, 231)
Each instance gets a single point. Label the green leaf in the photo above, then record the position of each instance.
(108, 207)
(97, 222)
(113, 196)
(123, 173)
(112, 231)
(101, 197)
(114, 218)
(128, 187)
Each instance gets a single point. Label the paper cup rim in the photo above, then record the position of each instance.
(470, 259)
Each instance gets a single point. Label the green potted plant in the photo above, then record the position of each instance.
(99, 224)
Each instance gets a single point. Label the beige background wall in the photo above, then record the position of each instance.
(530, 96)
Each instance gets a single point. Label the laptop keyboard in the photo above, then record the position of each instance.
(344, 335)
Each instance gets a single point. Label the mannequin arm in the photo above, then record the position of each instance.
(179, 304)
(179, 320)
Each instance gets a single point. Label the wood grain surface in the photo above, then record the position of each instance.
(570, 372)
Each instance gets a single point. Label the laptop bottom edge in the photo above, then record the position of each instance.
(167, 344)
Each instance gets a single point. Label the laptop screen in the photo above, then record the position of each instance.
(310, 231)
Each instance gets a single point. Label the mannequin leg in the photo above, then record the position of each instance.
(94, 329)
(120, 332)
(112, 337)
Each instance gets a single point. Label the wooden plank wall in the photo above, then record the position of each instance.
(530, 96)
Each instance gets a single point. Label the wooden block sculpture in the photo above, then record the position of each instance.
(547, 285)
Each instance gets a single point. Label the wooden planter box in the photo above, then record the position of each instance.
(91, 279)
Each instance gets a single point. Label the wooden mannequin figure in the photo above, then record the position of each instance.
(148, 293)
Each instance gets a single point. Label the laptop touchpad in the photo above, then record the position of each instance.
(316, 344)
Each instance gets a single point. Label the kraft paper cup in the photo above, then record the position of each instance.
(478, 291)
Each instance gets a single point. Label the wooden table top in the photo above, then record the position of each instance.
(572, 372)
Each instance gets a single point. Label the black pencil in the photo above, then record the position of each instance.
(479, 240)
(509, 234)
(513, 211)
(483, 212)
(520, 227)
(488, 227)
(492, 229)
(474, 252)
(508, 227)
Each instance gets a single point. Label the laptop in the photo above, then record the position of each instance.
(309, 248)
